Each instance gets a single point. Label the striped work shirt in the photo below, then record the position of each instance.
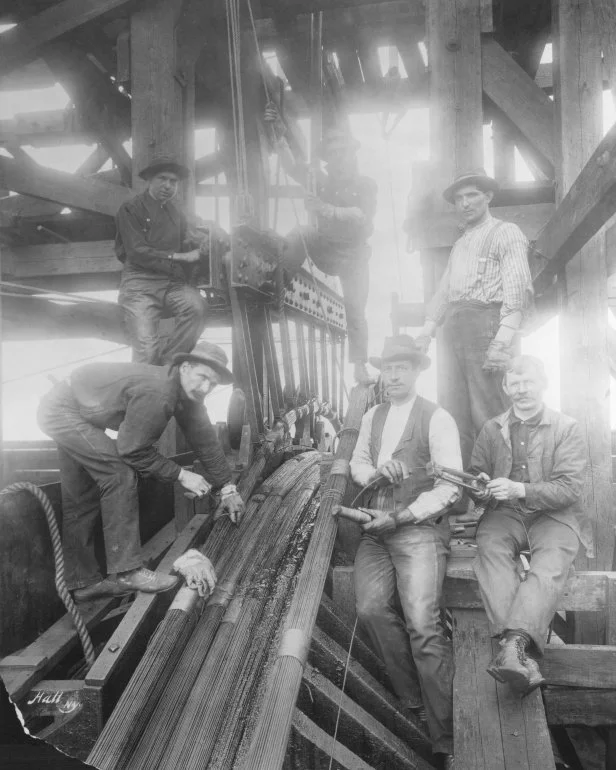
(503, 276)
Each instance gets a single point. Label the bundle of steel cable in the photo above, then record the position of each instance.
(221, 680)
(132, 712)
(266, 747)
(131, 741)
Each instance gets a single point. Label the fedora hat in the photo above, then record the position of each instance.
(210, 354)
(164, 163)
(336, 140)
(477, 177)
(401, 348)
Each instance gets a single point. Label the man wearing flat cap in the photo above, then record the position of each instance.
(401, 558)
(481, 302)
(160, 250)
(98, 475)
(337, 238)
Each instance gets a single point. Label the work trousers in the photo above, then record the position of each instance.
(406, 568)
(512, 603)
(98, 489)
(350, 264)
(471, 395)
(145, 299)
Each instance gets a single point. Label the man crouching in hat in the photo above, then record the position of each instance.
(481, 302)
(98, 475)
(337, 240)
(160, 251)
(404, 549)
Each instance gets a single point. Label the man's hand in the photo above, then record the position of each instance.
(383, 523)
(194, 483)
(482, 494)
(232, 503)
(498, 356)
(394, 471)
(505, 489)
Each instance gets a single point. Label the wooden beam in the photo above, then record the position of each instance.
(589, 203)
(575, 706)
(583, 330)
(20, 44)
(518, 96)
(60, 259)
(492, 724)
(77, 192)
(580, 665)
(211, 165)
(604, 12)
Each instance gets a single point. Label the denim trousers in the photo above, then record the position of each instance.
(512, 603)
(144, 300)
(350, 264)
(99, 492)
(469, 394)
(406, 569)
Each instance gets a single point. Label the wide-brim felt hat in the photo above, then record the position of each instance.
(336, 140)
(164, 163)
(476, 177)
(211, 355)
(401, 348)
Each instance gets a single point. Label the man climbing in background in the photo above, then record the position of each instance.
(403, 550)
(480, 301)
(337, 239)
(160, 251)
(98, 476)
(532, 459)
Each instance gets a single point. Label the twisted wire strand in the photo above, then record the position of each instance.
(63, 592)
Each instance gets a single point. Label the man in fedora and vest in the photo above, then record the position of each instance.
(337, 240)
(159, 250)
(480, 302)
(402, 554)
(98, 475)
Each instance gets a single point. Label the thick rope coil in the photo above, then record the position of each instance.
(63, 592)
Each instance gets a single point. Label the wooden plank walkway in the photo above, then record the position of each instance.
(494, 729)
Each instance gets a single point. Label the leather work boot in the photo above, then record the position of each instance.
(513, 665)
(106, 587)
(145, 580)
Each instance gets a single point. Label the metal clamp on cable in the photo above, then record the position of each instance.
(340, 467)
(295, 643)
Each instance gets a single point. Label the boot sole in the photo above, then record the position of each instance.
(514, 679)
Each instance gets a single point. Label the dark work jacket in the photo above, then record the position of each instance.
(147, 232)
(556, 465)
(358, 192)
(138, 400)
(413, 449)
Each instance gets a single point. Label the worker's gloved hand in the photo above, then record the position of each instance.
(231, 503)
(272, 117)
(423, 342)
(481, 493)
(498, 356)
(395, 471)
(197, 570)
(381, 524)
(505, 489)
(194, 483)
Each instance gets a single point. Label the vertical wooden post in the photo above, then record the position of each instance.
(2, 464)
(313, 380)
(453, 32)
(334, 344)
(324, 366)
(157, 103)
(504, 154)
(585, 377)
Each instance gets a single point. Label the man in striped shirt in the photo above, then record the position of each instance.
(480, 302)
